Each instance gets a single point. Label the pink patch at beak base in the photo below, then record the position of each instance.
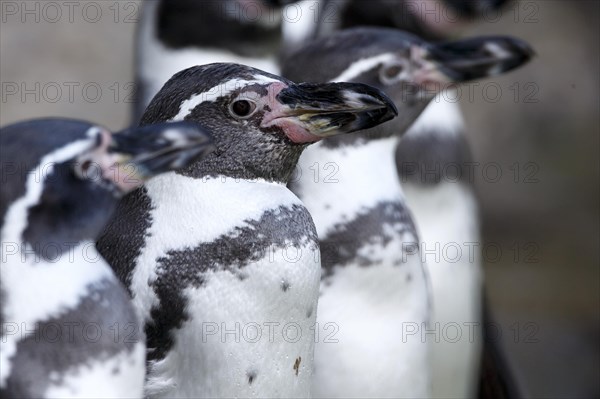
(280, 116)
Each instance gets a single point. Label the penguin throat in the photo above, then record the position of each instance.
(276, 165)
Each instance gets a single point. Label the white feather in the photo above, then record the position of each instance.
(116, 377)
(446, 217)
(15, 219)
(207, 365)
(441, 115)
(370, 305)
(374, 309)
(20, 264)
(338, 192)
(197, 207)
(23, 275)
(361, 66)
(300, 21)
(194, 368)
(212, 94)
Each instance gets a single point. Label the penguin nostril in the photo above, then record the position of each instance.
(82, 170)
(393, 71)
(242, 108)
(390, 74)
(85, 166)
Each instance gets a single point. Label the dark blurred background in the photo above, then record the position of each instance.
(535, 134)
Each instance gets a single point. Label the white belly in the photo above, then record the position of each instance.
(446, 217)
(377, 314)
(99, 379)
(370, 318)
(247, 337)
(217, 352)
(36, 290)
(40, 298)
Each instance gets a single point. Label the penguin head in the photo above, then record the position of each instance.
(411, 71)
(262, 122)
(245, 27)
(431, 19)
(62, 178)
(444, 18)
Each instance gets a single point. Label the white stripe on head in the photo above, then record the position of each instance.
(218, 91)
(15, 220)
(361, 66)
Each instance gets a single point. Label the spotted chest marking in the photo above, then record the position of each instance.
(277, 230)
(221, 365)
(101, 328)
(380, 225)
(47, 280)
(362, 213)
(433, 157)
(197, 263)
(435, 148)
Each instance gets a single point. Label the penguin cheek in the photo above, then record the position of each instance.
(295, 132)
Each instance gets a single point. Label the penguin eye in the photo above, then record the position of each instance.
(87, 169)
(390, 74)
(82, 169)
(242, 108)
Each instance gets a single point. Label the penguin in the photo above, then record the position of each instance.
(375, 282)
(434, 160)
(68, 327)
(428, 19)
(173, 35)
(225, 264)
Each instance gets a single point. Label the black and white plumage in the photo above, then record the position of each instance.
(446, 213)
(224, 243)
(68, 327)
(177, 34)
(429, 19)
(445, 209)
(369, 241)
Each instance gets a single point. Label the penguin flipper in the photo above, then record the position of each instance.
(496, 379)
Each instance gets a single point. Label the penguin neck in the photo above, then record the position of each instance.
(362, 162)
(435, 148)
(276, 165)
(442, 117)
(331, 181)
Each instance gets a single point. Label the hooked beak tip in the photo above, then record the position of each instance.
(155, 149)
(310, 112)
(474, 58)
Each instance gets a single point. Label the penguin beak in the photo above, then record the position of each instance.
(310, 112)
(146, 151)
(464, 60)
